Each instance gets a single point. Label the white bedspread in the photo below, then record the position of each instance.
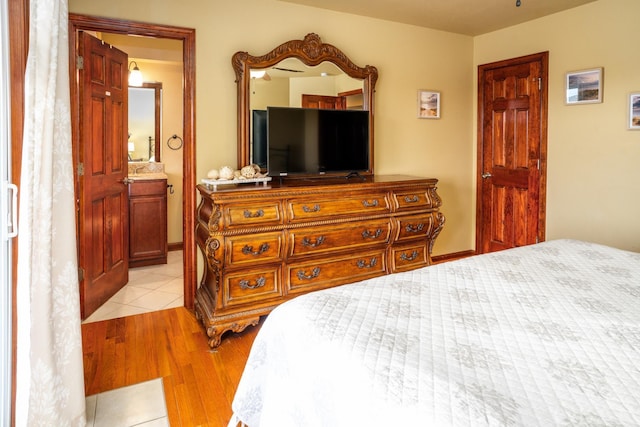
(544, 335)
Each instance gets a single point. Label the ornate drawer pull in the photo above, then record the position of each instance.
(411, 199)
(414, 229)
(248, 250)
(411, 257)
(307, 209)
(259, 213)
(363, 263)
(368, 204)
(260, 282)
(368, 235)
(307, 242)
(314, 273)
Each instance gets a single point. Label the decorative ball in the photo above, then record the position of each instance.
(226, 172)
(248, 171)
(213, 174)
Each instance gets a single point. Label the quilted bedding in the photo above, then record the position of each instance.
(543, 335)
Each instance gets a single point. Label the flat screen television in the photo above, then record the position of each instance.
(315, 142)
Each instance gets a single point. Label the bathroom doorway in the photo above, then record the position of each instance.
(80, 23)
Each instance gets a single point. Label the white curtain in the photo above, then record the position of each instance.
(49, 378)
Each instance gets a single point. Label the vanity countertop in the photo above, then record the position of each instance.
(148, 176)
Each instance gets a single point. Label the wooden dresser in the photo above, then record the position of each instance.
(263, 245)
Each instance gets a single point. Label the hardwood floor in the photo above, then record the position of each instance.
(199, 383)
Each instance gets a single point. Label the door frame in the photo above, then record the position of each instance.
(543, 58)
(78, 22)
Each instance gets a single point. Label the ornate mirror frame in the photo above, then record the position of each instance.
(311, 51)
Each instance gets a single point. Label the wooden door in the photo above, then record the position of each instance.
(103, 200)
(324, 102)
(512, 109)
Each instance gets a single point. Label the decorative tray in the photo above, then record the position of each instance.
(213, 183)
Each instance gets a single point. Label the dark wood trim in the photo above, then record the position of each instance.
(18, 49)
(543, 58)
(351, 92)
(188, 36)
(176, 246)
(439, 259)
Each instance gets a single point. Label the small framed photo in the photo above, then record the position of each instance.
(428, 104)
(634, 111)
(584, 87)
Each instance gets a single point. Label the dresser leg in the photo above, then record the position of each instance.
(216, 327)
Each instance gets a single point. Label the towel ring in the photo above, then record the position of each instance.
(177, 147)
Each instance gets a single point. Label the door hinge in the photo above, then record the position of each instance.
(539, 83)
(538, 164)
(80, 169)
(80, 274)
(79, 62)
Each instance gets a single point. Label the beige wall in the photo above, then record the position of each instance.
(160, 60)
(594, 173)
(170, 75)
(594, 161)
(408, 58)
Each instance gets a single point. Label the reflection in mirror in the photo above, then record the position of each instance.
(291, 83)
(145, 105)
(299, 73)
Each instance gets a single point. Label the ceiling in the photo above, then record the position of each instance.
(470, 17)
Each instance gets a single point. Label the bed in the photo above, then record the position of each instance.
(542, 335)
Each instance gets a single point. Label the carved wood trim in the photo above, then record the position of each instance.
(311, 51)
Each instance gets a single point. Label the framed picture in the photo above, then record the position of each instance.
(634, 111)
(428, 104)
(584, 87)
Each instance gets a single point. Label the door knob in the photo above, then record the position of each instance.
(127, 181)
(486, 175)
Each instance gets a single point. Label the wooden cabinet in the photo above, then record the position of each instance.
(263, 245)
(147, 222)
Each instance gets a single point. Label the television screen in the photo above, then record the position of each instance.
(313, 141)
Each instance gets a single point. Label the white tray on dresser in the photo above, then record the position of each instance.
(213, 183)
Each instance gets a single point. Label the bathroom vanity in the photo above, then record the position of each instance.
(147, 218)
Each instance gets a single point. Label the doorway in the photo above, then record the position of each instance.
(512, 152)
(78, 23)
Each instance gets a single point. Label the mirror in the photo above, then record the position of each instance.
(145, 108)
(300, 73)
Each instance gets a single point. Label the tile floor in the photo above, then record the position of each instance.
(150, 288)
(140, 405)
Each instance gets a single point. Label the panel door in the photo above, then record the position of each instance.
(511, 158)
(103, 200)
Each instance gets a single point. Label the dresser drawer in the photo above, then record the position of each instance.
(314, 208)
(325, 272)
(414, 226)
(253, 214)
(251, 286)
(411, 200)
(261, 247)
(323, 239)
(408, 257)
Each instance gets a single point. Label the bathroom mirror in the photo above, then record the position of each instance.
(145, 112)
(300, 73)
